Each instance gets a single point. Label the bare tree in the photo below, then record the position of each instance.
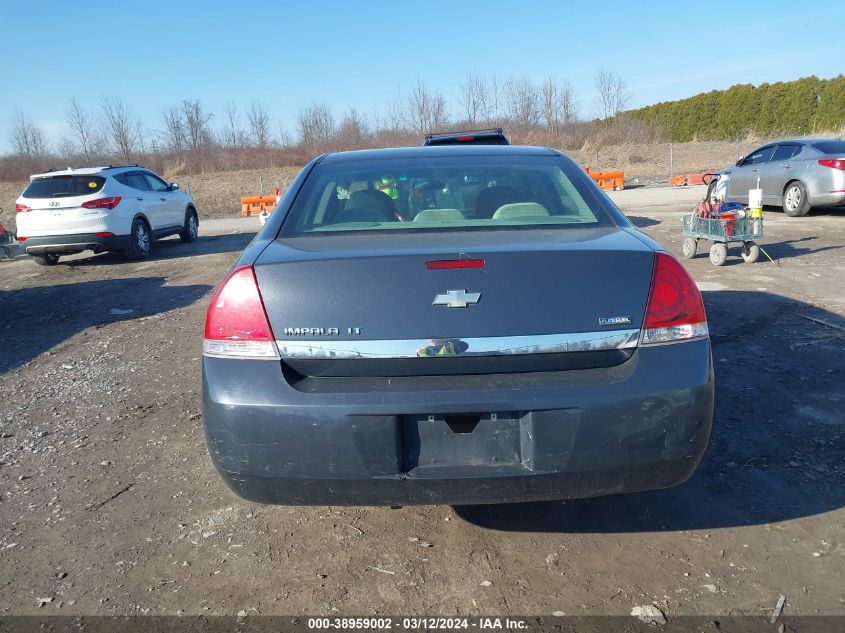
(612, 93)
(559, 104)
(259, 123)
(352, 130)
(395, 116)
(568, 103)
(27, 138)
(316, 124)
(438, 112)
(232, 135)
(426, 109)
(522, 101)
(284, 138)
(196, 124)
(83, 133)
(173, 134)
(475, 99)
(66, 148)
(495, 110)
(124, 131)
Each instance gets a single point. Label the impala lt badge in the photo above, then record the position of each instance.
(320, 331)
(456, 298)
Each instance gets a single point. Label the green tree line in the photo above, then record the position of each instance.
(805, 106)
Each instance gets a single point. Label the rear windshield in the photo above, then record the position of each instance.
(445, 193)
(830, 147)
(63, 186)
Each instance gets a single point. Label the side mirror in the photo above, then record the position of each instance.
(174, 186)
(739, 163)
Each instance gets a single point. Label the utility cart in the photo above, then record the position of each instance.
(731, 227)
(7, 242)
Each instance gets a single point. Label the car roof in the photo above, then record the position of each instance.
(436, 151)
(809, 140)
(84, 171)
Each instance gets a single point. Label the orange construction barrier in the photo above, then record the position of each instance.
(253, 205)
(612, 180)
(609, 180)
(682, 180)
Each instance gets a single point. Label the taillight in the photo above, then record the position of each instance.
(21, 208)
(102, 203)
(834, 163)
(675, 311)
(236, 324)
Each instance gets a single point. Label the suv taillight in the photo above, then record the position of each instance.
(236, 324)
(675, 311)
(21, 208)
(102, 203)
(834, 163)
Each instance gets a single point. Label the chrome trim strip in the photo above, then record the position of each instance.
(480, 346)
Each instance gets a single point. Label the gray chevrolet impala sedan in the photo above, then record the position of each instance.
(453, 324)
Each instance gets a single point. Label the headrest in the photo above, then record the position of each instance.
(519, 210)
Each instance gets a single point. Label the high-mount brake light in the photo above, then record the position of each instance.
(675, 310)
(236, 324)
(445, 264)
(102, 203)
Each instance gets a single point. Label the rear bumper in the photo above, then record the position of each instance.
(641, 425)
(827, 199)
(76, 243)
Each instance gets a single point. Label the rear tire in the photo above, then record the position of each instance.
(718, 254)
(48, 259)
(750, 252)
(141, 241)
(689, 248)
(192, 227)
(795, 201)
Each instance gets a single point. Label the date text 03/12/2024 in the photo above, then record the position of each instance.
(421, 623)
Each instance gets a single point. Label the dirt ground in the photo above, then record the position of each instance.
(109, 503)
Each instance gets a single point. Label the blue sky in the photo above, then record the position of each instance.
(154, 54)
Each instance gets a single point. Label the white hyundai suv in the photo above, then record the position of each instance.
(114, 208)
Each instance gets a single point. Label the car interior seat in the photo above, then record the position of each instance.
(490, 199)
(521, 211)
(367, 205)
(439, 215)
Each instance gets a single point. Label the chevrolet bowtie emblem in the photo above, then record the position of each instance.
(456, 298)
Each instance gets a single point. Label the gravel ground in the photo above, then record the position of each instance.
(110, 505)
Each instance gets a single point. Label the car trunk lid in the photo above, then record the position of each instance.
(369, 305)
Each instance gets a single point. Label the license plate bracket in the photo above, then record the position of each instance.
(480, 439)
